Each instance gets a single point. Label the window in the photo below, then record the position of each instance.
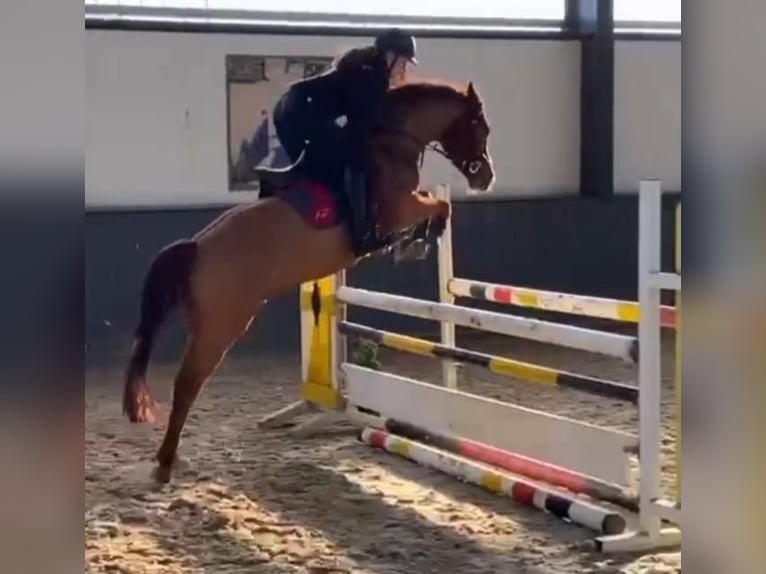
(647, 11)
(489, 9)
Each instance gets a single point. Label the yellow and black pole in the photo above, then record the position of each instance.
(498, 365)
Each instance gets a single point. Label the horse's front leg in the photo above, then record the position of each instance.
(439, 212)
(411, 209)
(423, 214)
(433, 225)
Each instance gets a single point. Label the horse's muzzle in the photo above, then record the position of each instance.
(480, 173)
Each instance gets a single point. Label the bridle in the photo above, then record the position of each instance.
(467, 166)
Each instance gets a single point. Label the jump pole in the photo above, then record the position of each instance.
(568, 303)
(503, 366)
(600, 342)
(527, 467)
(523, 491)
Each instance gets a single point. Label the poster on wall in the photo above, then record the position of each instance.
(254, 84)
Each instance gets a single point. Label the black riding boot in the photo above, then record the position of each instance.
(362, 226)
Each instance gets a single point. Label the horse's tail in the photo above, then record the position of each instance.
(166, 285)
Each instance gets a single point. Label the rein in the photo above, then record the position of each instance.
(464, 165)
(420, 143)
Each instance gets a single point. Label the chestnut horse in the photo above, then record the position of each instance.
(223, 275)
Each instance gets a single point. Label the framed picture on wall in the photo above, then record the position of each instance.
(253, 86)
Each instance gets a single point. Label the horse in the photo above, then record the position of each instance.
(223, 275)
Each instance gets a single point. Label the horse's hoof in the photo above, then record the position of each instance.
(399, 253)
(420, 249)
(141, 407)
(162, 474)
(415, 251)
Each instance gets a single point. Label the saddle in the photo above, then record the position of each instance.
(321, 210)
(274, 178)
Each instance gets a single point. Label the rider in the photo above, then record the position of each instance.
(329, 116)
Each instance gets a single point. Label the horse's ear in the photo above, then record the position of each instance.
(471, 91)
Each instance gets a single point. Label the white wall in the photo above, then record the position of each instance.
(531, 90)
(156, 112)
(647, 113)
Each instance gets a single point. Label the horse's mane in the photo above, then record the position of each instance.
(413, 91)
(402, 98)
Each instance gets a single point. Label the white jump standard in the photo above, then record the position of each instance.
(651, 281)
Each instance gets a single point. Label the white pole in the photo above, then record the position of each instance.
(339, 344)
(649, 371)
(446, 273)
(602, 342)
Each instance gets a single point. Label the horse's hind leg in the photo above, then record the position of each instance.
(201, 358)
(205, 350)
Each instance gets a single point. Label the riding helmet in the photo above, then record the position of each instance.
(398, 42)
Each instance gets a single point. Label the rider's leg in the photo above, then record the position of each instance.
(332, 159)
(358, 178)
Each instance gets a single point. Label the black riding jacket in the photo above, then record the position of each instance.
(355, 89)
